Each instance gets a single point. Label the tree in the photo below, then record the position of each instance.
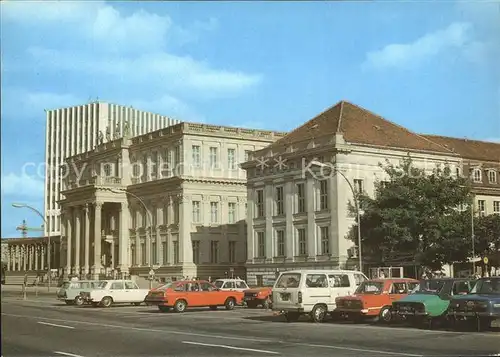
(487, 235)
(414, 216)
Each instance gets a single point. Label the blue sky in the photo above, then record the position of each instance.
(429, 66)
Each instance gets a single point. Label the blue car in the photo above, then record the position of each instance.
(480, 307)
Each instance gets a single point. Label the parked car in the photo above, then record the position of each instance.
(313, 292)
(430, 300)
(180, 295)
(111, 292)
(373, 298)
(69, 292)
(259, 296)
(231, 284)
(481, 306)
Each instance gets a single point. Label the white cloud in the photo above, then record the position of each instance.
(98, 39)
(170, 106)
(22, 186)
(408, 55)
(20, 103)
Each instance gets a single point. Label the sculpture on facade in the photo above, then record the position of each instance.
(126, 128)
(117, 131)
(101, 137)
(108, 133)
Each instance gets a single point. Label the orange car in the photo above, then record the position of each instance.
(258, 296)
(193, 293)
(373, 298)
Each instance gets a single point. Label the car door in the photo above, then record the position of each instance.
(398, 290)
(316, 290)
(117, 290)
(229, 286)
(241, 286)
(133, 293)
(210, 295)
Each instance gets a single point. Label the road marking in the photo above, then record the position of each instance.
(230, 347)
(55, 325)
(141, 329)
(359, 350)
(67, 354)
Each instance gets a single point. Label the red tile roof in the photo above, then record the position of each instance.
(469, 149)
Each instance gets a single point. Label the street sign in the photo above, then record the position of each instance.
(231, 270)
(485, 260)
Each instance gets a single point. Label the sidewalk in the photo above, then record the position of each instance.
(30, 290)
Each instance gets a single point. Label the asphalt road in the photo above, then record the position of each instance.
(44, 327)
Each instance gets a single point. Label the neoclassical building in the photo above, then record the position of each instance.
(173, 200)
(298, 214)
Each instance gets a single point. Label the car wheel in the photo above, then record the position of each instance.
(180, 306)
(78, 301)
(229, 304)
(292, 316)
(318, 313)
(163, 308)
(385, 315)
(213, 307)
(106, 301)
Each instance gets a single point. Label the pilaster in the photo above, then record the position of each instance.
(249, 219)
(124, 238)
(86, 264)
(311, 224)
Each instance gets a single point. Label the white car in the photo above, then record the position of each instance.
(110, 292)
(231, 284)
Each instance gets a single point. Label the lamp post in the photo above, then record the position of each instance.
(356, 204)
(149, 215)
(23, 205)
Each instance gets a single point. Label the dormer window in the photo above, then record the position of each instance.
(477, 175)
(492, 176)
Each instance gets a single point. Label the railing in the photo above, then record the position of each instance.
(96, 180)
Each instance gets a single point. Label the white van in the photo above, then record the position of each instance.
(313, 292)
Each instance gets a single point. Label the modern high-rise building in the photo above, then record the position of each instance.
(78, 129)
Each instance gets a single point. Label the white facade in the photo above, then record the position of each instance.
(188, 178)
(75, 130)
(298, 217)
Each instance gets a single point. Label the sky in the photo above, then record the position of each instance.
(429, 66)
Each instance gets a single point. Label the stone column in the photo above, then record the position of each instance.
(124, 238)
(69, 237)
(9, 258)
(28, 255)
(97, 239)
(86, 257)
(42, 257)
(25, 257)
(78, 244)
(37, 253)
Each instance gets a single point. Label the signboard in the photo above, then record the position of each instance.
(485, 260)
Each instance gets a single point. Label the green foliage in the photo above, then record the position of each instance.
(414, 216)
(487, 234)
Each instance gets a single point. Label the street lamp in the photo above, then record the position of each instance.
(23, 205)
(356, 204)
(149, 215)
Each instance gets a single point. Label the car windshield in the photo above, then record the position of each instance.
(288, 280)
(429, 287)
(370, 287)
(164, 287)
(219, 283)
(487, 286)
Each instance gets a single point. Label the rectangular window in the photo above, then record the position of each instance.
(196, 212)
(232, 252)
(196, 152)
(196, 252)
(154, 251)
(481, 207)
(301, 198)
(247, 155)
(176, 212)
(231, 159)
(260, 203)
(143, 254)
(176, 251)
(165, 215)
(214, 251)
(213, 158)
(280, 243)
(154, 165)
(323, 194)
(169, 160)
(325, 240)
(477, 175)
(154, 217)
(132, 253)
(214, 212)
(492, 176)
(144, 218)
(280, 201)
(496, 207)
(302, 241)
(261, 245)
(177, 153)
(358, 185)
(231, 212)
(165, 252)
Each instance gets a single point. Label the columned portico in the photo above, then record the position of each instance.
(96, 269)
(86, 264)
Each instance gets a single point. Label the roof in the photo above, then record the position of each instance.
(469, 149)
(358, 126)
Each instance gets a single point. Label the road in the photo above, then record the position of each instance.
(45, 327)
